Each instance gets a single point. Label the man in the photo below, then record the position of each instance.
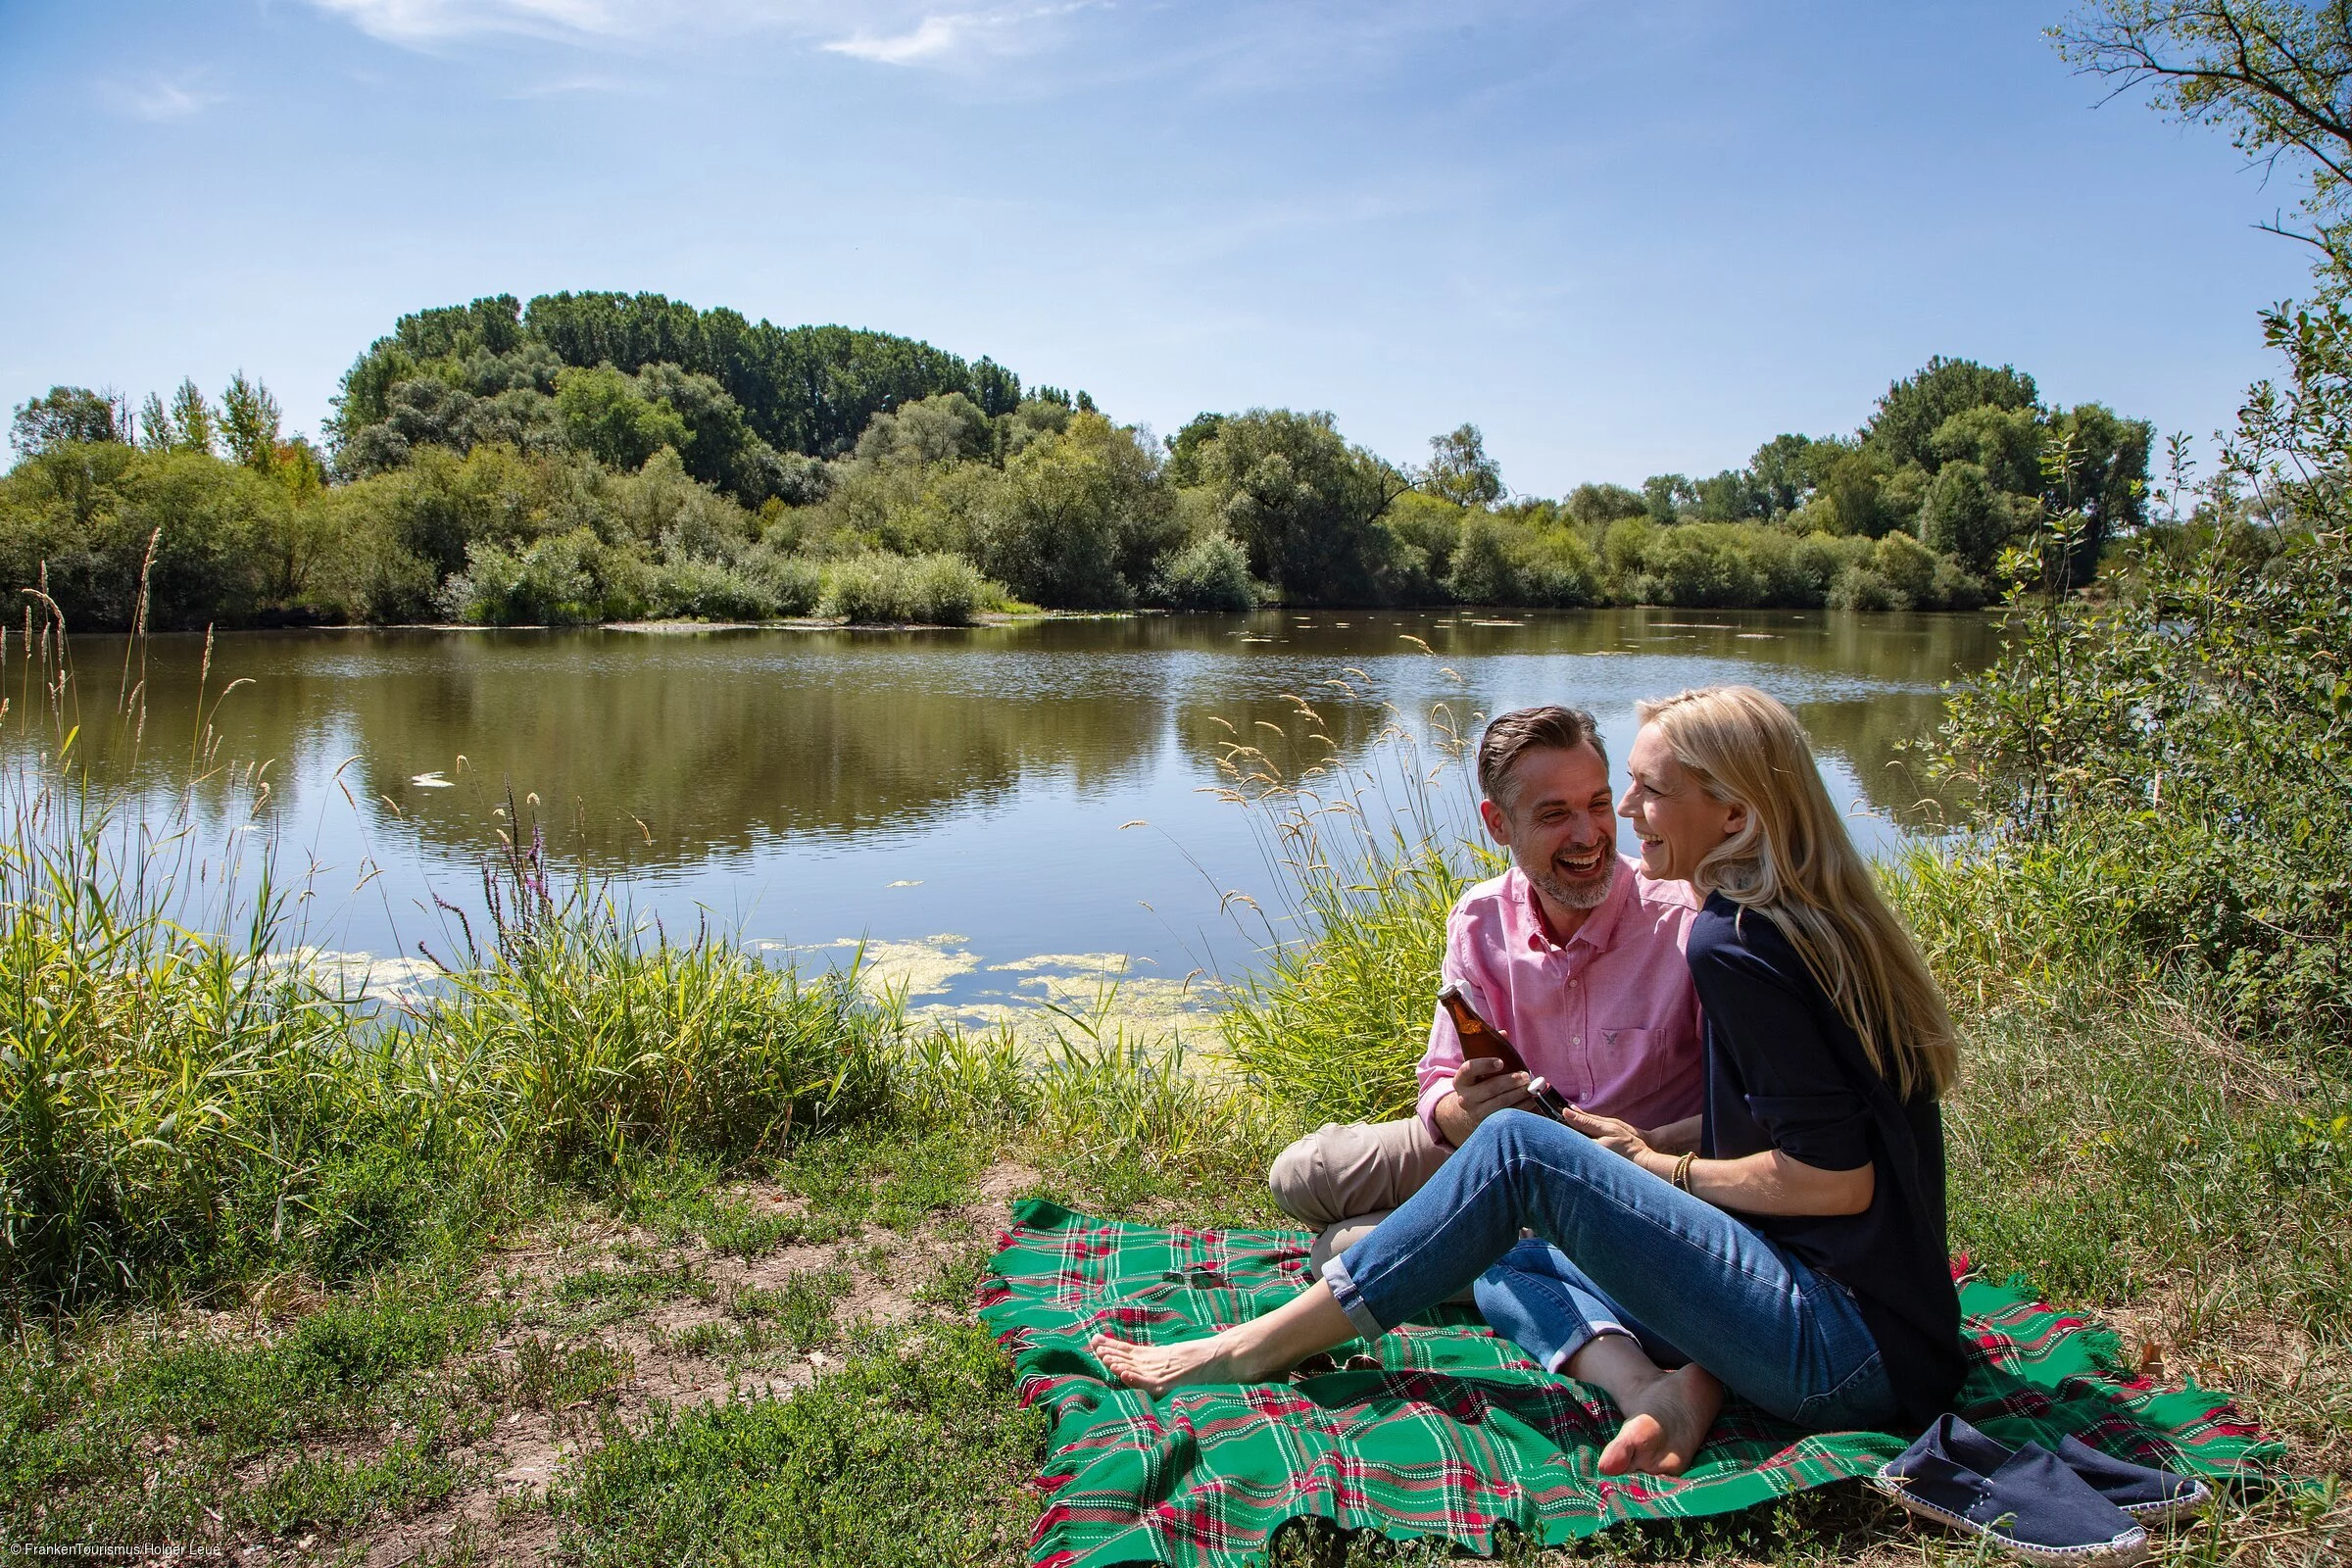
(1573, 954)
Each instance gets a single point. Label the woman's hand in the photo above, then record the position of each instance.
(1617, 1137)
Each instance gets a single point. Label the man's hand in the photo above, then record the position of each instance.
(1617, 1137)
(1481, 1088)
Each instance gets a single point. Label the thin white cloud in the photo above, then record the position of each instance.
(161, 98)
(947, 37)
(427, 21)
(893, 32)
(423, 23)
(931, 38)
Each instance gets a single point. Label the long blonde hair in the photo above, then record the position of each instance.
(1794, 864)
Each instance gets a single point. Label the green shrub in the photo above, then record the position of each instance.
(1700, 565)
(2187, 738)
(1212, 572)
(940, 590)
(81, 516)
(1864, 587)
(1556, 571)
(1078, 518)
(1482, 571)
(563, 580)
(792, 584)
(708, 590)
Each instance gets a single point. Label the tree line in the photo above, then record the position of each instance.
(598, 456)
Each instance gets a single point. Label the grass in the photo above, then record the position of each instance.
(916, 1454)
(142, 1430)
(283, 1266)
(2118, 1145)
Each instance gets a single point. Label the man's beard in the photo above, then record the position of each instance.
(1590, 894)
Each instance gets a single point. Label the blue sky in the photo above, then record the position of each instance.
(1622, 238)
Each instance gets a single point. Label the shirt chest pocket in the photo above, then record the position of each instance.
(1626, 1059)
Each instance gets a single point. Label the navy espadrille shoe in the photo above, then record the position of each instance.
(2025, 1499)
(2150, 1495)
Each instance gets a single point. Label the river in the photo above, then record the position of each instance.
(963, 802)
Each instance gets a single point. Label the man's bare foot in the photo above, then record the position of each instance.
(1154, 1369)
(1665, 1423)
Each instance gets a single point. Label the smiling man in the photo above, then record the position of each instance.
(1573, 954)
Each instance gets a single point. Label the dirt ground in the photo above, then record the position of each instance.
(498, 1517)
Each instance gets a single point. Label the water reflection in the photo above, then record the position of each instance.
(911, 784)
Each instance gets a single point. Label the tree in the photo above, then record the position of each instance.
(1854, 483)
(1305, 504)
(1904, 425)
(947, 428)
(1965, 516)
(806, 389)
(1052, 535)
(2277, 76)
(2005, 443)
(1732, 496)
(446, 335)
(809, 390)
(1666, 496)
(249, 421)
(80, 518)
(187, 425)
(1184, 447)
(1595, 505)
(68, 413)
(995, 388)
(603, 416)
(1459, 469)
(721, 447)
(1481, 570)
(1783, 471)
(2105, 477)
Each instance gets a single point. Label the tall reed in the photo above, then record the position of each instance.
(183, 1099)
(1370, 858)
(580, 1038)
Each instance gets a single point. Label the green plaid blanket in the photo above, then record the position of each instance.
(1440, 1428)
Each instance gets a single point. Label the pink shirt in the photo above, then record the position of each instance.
(1609, 1016)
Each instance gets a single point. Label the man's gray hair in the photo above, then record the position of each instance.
(1511, 736)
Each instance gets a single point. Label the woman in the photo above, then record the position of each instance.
(1798, 1256)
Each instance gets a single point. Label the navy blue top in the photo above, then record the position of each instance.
(1785, 1070)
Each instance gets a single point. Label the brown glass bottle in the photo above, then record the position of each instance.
(1482, 1039)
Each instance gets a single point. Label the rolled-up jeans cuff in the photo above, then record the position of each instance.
(1557, 1361)
(1351, 1300)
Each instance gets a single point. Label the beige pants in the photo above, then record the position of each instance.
(1344, 1178)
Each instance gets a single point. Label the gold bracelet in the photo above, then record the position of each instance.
(1681, 1170)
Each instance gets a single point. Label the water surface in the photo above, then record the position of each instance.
(964, 800)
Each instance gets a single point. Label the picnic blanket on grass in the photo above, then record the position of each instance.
(1442, 1429)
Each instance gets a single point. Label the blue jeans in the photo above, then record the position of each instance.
(1635, 1254)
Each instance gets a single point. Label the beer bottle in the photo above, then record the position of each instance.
(1482, 1039)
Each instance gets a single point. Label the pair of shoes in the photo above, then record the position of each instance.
(2076, 1506)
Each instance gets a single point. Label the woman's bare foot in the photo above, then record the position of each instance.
(1665, 1423)
(1154, 1369)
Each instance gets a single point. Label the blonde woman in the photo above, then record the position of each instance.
(1798, 1256)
